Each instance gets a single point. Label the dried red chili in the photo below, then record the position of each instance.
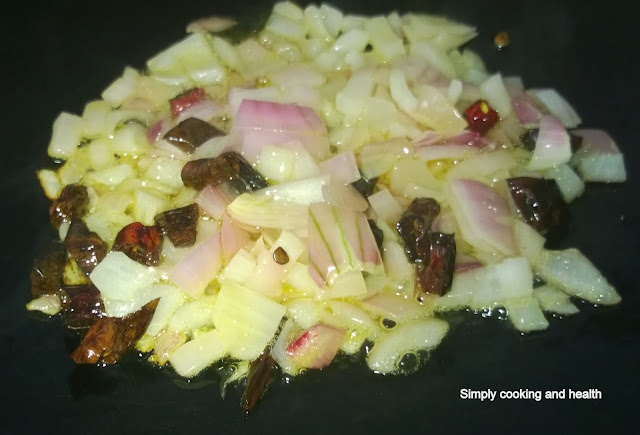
(481, 117)
(185, 100)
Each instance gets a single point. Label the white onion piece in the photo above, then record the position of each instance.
(342, 167)
(194, 356)
(553, 145)
(315, 347)
(494, 91)
(569, 183)
(405, 338)
(47, 304)
(553, 300)
(264, 211)
(396, 264)
(525, 314)
(67, 134)
(530, 242)
(386, 206)
(232, 238)
(303, 192)
(399, 308)
(195, 270)
(279, 349)
(260, 123)
(193, 315)
(267, 276)
(482, 215)
(574, 274)
(558, 106)
(247, 320)
(344, 196)
(212, 202)
(526, 109)
(348, 316)
(340, 240)
(599, 158)
(213, 24)
(119, 277)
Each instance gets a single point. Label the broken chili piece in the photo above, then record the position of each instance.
(140, 243)
(72, 202)
(415, 223)
(365, 186)
(433, 253)
(228, 167)
(191, 133)
(258, 378)
(179, 224)
(85, 246)
(540, 205)
(481, 117)
(185, 100)
(82, 305)
(436, 275)
(111, 337)
(46, 275)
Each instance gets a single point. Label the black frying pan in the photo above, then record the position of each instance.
(59, 55)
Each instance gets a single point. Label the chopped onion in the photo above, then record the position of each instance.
(526, 109)
(482, 215)
(194, 356)
(340, 240)
(232, 237)
(405, 338)
(260, 123)
(553, 145)
(525, 314)
(119, 277)
(195, 270)
(246, 320)
(558, 106)
(574, 274)
(212, 202)
(599, 158)
(342, 167)
(386, 206)
(553, 300)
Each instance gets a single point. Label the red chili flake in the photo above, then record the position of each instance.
(140, 243)
(185, 100)
(481, 117)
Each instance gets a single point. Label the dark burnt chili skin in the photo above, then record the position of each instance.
(180, 224)
(140, 243)
(72, 202)
(82, 305)
(46, 275)
(85, 246)
(228, 167)
(260, 374)
(436, 277)
(111, 337)
(191, 133)
(433, 253)
(540, 205)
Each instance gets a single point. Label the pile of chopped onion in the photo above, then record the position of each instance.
(315, 101)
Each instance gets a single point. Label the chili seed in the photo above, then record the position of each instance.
(280, 256)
